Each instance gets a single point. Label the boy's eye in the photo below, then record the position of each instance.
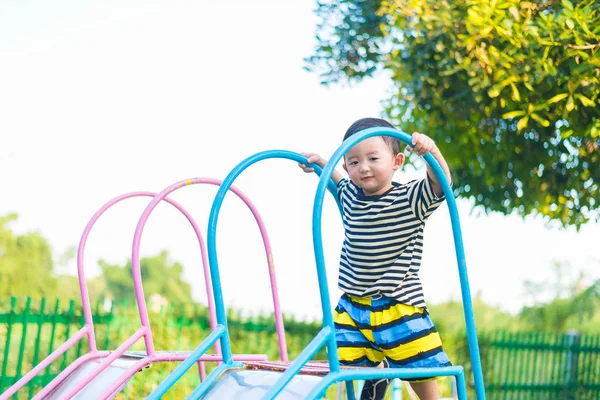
(374, 158)
(353, 162)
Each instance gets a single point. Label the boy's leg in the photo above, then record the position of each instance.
(354, 348)
(375, 389)
(409, 340)
(425, 390)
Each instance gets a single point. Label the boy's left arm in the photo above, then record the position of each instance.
(423, 144)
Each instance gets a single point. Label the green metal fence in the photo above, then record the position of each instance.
(517, 365)
(538, 365)
(31, 329)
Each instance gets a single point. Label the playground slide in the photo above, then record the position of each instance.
(100, 383)
(254, 384)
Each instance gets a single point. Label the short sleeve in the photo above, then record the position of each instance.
(342, 186)
(422, 199)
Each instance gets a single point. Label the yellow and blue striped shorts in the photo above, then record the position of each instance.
(371, 329)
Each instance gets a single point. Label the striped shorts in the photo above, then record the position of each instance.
(371, 329)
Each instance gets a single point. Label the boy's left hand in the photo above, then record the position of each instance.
(421, 144)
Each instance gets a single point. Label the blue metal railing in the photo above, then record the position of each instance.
(222, 332)
(327, 334)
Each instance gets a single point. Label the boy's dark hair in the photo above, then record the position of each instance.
(364, 123)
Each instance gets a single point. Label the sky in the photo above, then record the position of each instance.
(98, 99)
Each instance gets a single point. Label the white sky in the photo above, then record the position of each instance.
(102, 98)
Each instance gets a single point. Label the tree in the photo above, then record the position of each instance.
(70, 290)
(159, 276)
(509, 88)
(26, 266)
(564, 301)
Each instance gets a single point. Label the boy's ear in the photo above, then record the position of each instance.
(344, 166)
(398, 161)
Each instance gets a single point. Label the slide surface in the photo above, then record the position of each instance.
(98, 385)
(253, 384)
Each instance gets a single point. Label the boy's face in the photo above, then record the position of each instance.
(371, 165)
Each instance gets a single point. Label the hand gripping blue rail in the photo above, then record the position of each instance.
(327, 336)
(221, 331)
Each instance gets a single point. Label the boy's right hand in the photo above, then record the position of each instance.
(312, 158)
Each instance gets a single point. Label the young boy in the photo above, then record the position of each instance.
(381, 319)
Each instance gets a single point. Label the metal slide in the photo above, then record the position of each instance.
(99, 384)
(254, 384)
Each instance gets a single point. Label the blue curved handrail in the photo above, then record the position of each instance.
(212, 227)
(327, 335)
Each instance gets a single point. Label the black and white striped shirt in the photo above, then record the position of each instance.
(383, 241)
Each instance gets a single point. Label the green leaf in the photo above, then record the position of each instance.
(522, 123)
(494, 92)
(516, 96)
(542, 121)
(451, 71)
(485, 31)
(586, 66)
(474, 16)
(567, 134)
(513, 114)
(570, 23)
(567, 4)
(585, 28)
(508, 80)
(503, 5)
(570, 104)
(557, 98)
(585, 101)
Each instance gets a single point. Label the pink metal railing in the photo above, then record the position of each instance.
(145, 331)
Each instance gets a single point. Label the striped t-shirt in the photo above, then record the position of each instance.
(383, 241)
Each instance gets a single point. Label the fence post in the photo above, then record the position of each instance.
(571, 361)
(54, 320)
(24, 321)
(9, 321)
(38, 339)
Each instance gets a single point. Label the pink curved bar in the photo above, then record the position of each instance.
(135, 260)
(88, 329)
(145, 330)
(87, 310)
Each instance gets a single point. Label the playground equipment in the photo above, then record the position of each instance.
(102, 374)
(301, 378)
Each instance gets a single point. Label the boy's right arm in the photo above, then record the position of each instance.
(312, 158)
